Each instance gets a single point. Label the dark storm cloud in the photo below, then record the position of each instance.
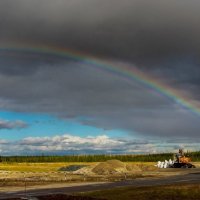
(152, 34)
(137, 29)
(18, 124)
(76, 91)
(159, 37)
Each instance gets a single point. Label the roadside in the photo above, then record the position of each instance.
(190, 178)
(174, 191)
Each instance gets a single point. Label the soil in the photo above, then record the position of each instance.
(114, 167)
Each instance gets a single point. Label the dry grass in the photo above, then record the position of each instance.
(172, 192)
(15, 174)
(53, 167)
(45, 173)
(37, 167)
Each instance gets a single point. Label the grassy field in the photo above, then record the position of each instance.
(15, 174)
(37, 167)
(172, 192)
(54, 166)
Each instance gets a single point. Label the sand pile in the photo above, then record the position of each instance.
(85, 170)
(104, 168)
(110, 167)
(115, 167)
(116, 163)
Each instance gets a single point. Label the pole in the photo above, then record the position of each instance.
(25, 191)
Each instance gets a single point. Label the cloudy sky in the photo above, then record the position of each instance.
(50, 103)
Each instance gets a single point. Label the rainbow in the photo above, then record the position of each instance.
(127, 72)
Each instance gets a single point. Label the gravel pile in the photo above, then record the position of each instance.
(110, 167)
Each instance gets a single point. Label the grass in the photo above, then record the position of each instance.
(54, 166)
(172, 192)
(37, 167)
(12, 174)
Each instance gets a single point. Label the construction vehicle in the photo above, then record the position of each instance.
(182, 161)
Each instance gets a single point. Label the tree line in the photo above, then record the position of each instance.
(95, 158)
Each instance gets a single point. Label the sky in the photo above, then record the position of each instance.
(54, 103)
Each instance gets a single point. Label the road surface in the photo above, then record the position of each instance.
(188, 178)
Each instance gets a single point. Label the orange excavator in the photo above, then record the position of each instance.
(182, 161)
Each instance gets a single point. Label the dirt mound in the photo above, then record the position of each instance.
(104, 168)
(110, 167)
(85, 170)
(115, 167)
(116, 163)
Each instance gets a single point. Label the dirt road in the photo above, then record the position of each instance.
(193, 177)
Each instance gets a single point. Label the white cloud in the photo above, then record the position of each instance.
(66, 144)
(70, 144)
